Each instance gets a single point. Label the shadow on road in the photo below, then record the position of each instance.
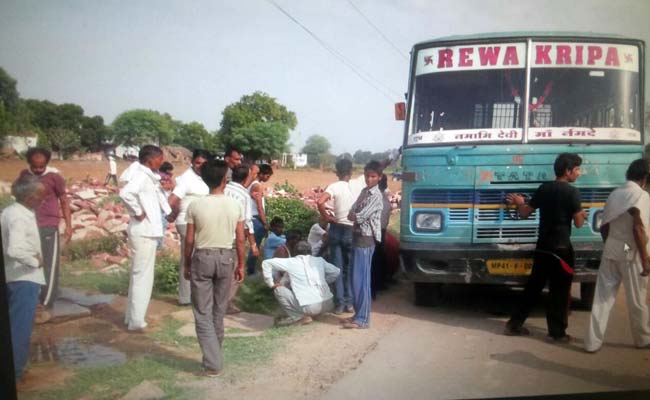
(599, 376)
(477, 307)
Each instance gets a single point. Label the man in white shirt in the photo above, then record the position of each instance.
(260, 226)
(21, 247)
(128, 172)
(235, 190)
(189, 187)
(112, 170)
(309, 293)
(342, 194)
(625, 258)
(317, 237)
(146, 203)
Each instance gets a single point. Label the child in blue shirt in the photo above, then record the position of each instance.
(275, 238)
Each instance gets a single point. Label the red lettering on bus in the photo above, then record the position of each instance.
(542, 56)
(445, 58)
(594, 53)
(488, 55)
(464, 54)
(578, 55)
(612, 57)
(563, 54)
(510, 57)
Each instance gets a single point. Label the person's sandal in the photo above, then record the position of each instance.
(352, 325)
(523, 331)
(561, 339)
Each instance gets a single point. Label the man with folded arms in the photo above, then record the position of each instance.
(146, 203)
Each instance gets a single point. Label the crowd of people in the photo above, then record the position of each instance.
(219, 211)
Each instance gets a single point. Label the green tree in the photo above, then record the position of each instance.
(361, 157)
(258, 125)
(193, 136)
(261, 139)
(139, 127)
(9, 105)
(93, 133)
(317, 148)
(63, 141)
(8, 93)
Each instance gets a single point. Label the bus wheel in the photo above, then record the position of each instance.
(427, 294)
(587, 290)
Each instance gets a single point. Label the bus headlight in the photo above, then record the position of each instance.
(428, 221)
(597, 220)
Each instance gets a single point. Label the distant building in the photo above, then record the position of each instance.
(127, 152)
(299, 160)
(21, 143)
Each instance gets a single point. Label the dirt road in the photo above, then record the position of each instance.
(457, 351)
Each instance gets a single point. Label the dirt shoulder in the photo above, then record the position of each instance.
(312, 360)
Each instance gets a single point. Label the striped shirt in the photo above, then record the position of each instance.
(368, 209)
(240, 193)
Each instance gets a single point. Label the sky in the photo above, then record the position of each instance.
(340, 65)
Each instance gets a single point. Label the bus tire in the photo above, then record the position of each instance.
(587, 291)
(427, 294)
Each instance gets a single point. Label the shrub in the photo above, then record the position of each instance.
(166, 274)
(80, 249)
(254, 296)
(287, 187)
(294, 212)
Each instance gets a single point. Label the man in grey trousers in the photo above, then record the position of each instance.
(212, 222)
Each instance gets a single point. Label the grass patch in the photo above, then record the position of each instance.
(255, 297)
(241, 353)
(80, 274)
(80, 249)
(168, 334)
(114, 382)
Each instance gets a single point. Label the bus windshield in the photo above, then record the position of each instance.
(578, 92)
(456, 106)
(574, 97)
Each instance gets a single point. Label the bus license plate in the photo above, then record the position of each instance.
(511, 266)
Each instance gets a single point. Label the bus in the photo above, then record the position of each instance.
(486, 115)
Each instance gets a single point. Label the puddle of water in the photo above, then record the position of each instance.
(75, 352)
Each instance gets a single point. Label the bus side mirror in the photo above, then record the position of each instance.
(400, 111)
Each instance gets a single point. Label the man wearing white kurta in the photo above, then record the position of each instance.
(625, 221)
(144, 199)
(189, 187)
(308, 294)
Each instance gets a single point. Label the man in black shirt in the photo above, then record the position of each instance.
(559, 205)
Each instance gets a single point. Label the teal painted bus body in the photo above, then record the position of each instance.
(466, 183)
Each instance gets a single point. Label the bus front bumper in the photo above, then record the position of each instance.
(435, 263)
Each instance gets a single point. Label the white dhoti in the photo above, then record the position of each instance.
(140, 280)
(610, 275)
(621, 262)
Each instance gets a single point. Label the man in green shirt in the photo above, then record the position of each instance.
(212, 222)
